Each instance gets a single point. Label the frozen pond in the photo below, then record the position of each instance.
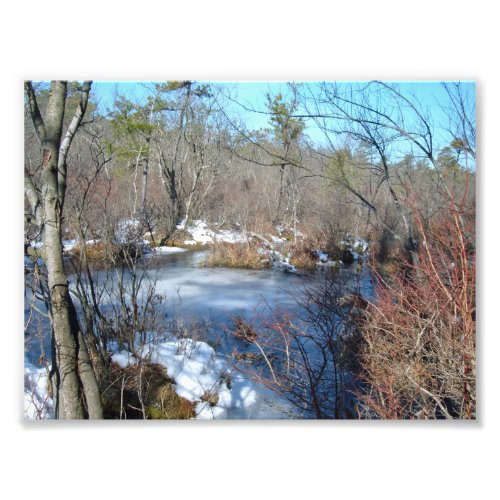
(206, 300)
(217, 294)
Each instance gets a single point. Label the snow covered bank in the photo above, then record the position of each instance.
(202, 234)
(200, 375)
(356, 249)
(167, 250)
(203, 377)
(278, 260)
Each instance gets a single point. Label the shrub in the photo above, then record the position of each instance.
(418, 341)
(303, 255)
(177, 239)
(235, 255)
(107, 253)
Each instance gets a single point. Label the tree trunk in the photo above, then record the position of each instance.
(72, 374)
(69, 403)
(167, 171)
(145, 171)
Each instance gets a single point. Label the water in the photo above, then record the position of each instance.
(207, 300)
(217, 294)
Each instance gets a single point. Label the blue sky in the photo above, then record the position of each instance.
(253, 95)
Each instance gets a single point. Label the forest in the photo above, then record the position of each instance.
(306, 252)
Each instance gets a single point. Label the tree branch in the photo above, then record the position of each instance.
(35, 112)
(33, 198)
(68, 138)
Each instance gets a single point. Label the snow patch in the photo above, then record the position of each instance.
(197, 371)
(168, 250)
(201, 233)
(296, 232)
(37, 403)
(68, 245)
(278, 260)
(194, 366)
(275, 239)
(355, 245)
(231, 237)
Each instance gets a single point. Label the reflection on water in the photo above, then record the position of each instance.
(219, 293)
(210, 297)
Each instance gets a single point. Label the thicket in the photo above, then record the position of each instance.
(177, 156)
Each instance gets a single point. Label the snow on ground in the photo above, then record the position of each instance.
(278, 260)
(201, 233)
(231, 236)
(195, 367)
(167, 250)
(360, 244)
(296, 232)
(198, 371)
(69, 245)
(322, 256)
(355, 245)
(37, 403)
(275, 239)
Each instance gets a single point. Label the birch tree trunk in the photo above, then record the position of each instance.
(72, 376)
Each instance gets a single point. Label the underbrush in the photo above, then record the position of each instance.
(142, 391)
(178, 238)
(419, 338)
(235, 255)
(303, 254)
(103, 254)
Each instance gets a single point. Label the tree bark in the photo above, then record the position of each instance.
(72, 377)
(145, 171)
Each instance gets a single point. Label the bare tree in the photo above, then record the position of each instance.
(461, 112)
(189, 147)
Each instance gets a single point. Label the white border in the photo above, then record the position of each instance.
(259, 40)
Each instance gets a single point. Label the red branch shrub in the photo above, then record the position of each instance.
(418, 350)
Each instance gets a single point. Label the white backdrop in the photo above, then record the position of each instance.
(263, 40)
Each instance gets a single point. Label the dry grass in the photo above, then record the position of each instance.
(104, 254)
(142, 391)
(302, 255)
(177, 239)
(98, 252)
(235, 255)
(170, 406)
